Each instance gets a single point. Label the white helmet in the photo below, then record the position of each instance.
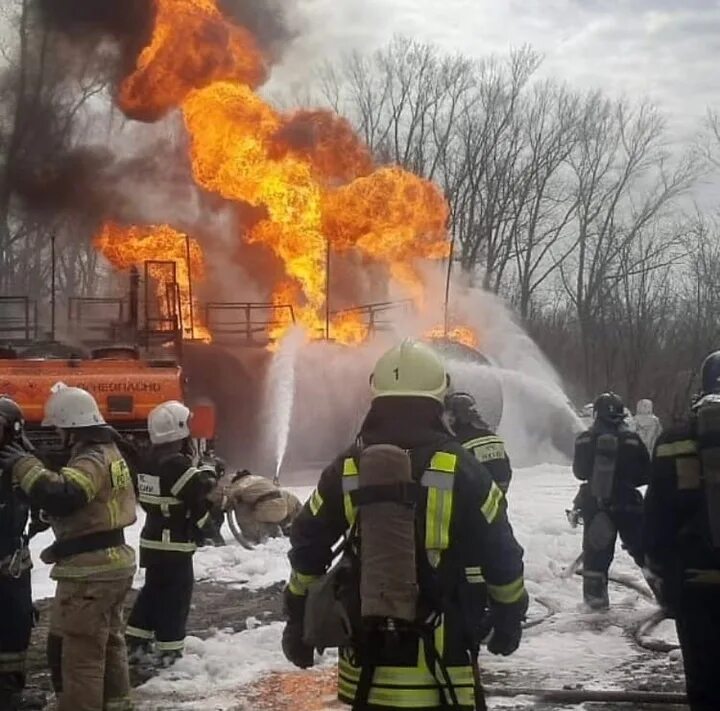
(71, 408)
(169, 422)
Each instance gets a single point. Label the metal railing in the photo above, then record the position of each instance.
(246, 321)
(18, 319)
(376, 316)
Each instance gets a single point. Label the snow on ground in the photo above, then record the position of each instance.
(575, 646)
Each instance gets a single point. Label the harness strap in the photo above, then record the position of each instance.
(88, 544)
(268, 496)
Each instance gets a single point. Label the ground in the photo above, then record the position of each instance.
(233, 658)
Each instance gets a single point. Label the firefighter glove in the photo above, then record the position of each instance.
(294, 648)
(10, 455)
(502, 627)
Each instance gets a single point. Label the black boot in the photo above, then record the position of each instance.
(595, 590)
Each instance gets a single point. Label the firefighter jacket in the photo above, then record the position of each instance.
(632, 463)
(173, 493)
(677, 537)
(489, 449)
(462, 523)
(89, 502)
(14, 513)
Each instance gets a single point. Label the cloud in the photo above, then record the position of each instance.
(660, 49)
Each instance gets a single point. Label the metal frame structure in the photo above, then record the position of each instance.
(21, 328)
(373, 311)
(237, 321)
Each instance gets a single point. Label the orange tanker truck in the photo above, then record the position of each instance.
(128, 367)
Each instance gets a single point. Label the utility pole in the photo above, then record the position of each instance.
(327, 292)
(190, 288)
(53, 287)
(446, 320)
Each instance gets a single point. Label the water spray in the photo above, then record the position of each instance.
(281, 394)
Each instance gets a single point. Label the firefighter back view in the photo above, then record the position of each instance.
(476, 436)
(173, 492)
(261, 508)
(89, 502)
(681, 536)
(614, 462)
(16, 619)
(420, 516)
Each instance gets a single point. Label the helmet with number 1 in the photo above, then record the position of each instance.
(411, 369)
(169, 422)
(70, 408)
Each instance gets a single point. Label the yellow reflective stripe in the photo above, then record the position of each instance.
(167, 545)
(674, 449)
(158, 500)
(480, 441)
(60, 572)
(121, 703)
(437, 518)
(349, 470)
(299, 583)
(203, 520)
(509, 593)
(139, 633)
(176, 646)
(29, 479)
(444, 462)
(180, 484)
(700, 575)
(418, 676)
(474, 574)
(315, 502)
(406, 698)
(491, 506)
(81, 479)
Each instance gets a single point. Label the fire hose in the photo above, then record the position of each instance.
(579, 696)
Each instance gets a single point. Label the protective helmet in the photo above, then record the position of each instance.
(411, 369)
(710, 373)
(12, 420)
(71, 408)
(169, 422)
(609, 407)
(461, 407)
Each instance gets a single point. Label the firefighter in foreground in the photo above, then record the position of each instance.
(613, 462)
(420, 516)
(89, 502)
(16, 608)
(682, 536)
(476, 436)
(173, 492)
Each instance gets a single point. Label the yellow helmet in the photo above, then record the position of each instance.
(411, 369)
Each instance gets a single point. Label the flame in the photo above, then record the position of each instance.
(192, 45)
(125, 247)
(458, 334)
(309, 176)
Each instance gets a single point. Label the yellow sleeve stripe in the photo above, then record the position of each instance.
(491, 507)
(181, 483)
(509, 593)
(315, 502)
(81, 479)
(201, 522)
(299, 583)
(30, 478)
(674, 449)
(481, 441)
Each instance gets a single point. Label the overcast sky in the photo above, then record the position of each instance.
(667, 50)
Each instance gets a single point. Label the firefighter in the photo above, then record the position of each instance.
(426, 659)
(614, 462)
(173, 492)
(647, 424)
(477, 437)
(681, 535)
(261, 508)
(16, 619)
(89, 502)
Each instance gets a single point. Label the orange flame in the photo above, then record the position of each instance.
(308, 174)
(459, 334)
(125, 247)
